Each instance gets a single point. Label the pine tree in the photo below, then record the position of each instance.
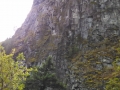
(43, 77)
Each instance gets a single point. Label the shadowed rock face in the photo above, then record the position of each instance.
(65, 28)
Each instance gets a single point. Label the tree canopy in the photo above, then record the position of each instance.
(12, 73)
(43, 77)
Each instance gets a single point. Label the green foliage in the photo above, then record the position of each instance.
(42, 77)
(114, 81)
(20, 57)
(12, 74)
(113, 84)
(90, 63)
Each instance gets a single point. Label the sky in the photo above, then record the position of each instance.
(12, 15)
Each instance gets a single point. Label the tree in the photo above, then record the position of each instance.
(42, 77)
(12, 74)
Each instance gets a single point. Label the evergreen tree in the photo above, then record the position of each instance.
(43, 77)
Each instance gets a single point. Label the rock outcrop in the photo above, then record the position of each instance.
(82, 36)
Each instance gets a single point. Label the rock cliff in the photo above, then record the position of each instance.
(82, 36)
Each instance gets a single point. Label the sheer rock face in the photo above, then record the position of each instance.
(53, 27)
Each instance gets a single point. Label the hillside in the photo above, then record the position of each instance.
(81, 36)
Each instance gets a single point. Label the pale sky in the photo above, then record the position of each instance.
(12, 15)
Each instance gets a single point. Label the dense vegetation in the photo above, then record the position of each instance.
(15, 76)
(93, 64)
(44, 77)
(12, 73)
